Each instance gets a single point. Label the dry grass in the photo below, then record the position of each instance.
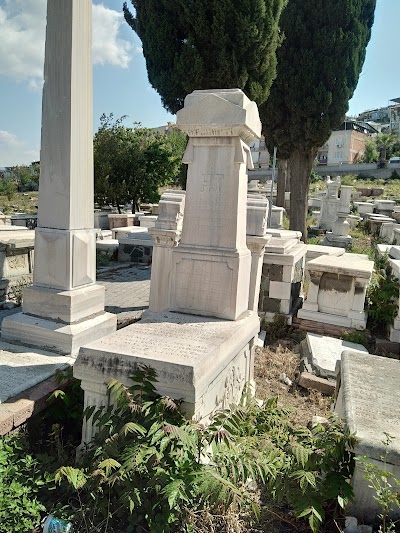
(271, 363)
(20, 202)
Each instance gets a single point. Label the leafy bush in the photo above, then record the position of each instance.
(385, 485)
(358, 337)
(382, 297)
(20, 480)
(149, 469)
(349, 179)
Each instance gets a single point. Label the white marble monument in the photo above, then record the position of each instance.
(337, 290)
(204, 350)
(65, 307)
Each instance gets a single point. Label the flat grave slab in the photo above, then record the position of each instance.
(369, 403)
(188, 352)
(325, 352)
(22, 368)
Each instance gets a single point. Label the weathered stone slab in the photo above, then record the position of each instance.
(394, 252)
(369, 403)
(280, 245)
(316, 250)
(349, 264)
(284, 233)
(325, 352)
(22, 368)
(309, 381)
(204, 361)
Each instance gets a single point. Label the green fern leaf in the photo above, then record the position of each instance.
(76, 477)
(131, 427)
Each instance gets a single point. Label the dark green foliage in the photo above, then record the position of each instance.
(66, 405)
(382, 297)
(130, 164)
(20, 480)
(207, 44)
(149, 468)
(277, 329)
(318, 68)
(394, 175)
(319, 64)
(358, 337)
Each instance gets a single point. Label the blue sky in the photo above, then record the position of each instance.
(120, 78)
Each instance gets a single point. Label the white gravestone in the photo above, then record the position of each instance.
(205, 360)
(211, 265)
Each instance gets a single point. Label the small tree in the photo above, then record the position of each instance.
(319, 64)
(384, 143)
(131, 164)
(371, 154)
(207, 44)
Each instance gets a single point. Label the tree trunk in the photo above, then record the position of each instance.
(301, 163)
(281, 182)
(288, 177)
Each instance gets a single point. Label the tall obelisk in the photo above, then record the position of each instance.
(65, 307)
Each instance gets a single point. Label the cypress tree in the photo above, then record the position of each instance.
(319, 64)
(207, 44)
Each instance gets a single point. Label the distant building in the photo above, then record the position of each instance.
(6, 172)
(167, 129)
(346, 145)
(388, 117)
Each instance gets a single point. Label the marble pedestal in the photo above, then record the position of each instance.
(203, 361)
(116, 220)
(65, 307)
(336, 294)
(282, 277)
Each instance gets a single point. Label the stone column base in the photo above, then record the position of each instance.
(64, 306)
(56, 336)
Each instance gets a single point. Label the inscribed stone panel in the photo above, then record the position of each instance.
(335, 294)
(203, 285)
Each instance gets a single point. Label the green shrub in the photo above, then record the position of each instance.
(277, 329)
(382, 297)
(385, 485)
(20, 480)
(349, 179)
(358, 337)
(149, 469)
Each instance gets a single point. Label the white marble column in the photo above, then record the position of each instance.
(256, 240)
(166, 235)
(65, 307)
(345, 198)
(311, 302)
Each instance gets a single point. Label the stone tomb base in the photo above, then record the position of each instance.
(369, 402)
(203, 361)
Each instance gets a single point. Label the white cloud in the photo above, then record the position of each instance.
(107, 46)
(22, 31)
(15, 151)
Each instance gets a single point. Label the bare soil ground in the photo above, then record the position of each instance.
(282, 357)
